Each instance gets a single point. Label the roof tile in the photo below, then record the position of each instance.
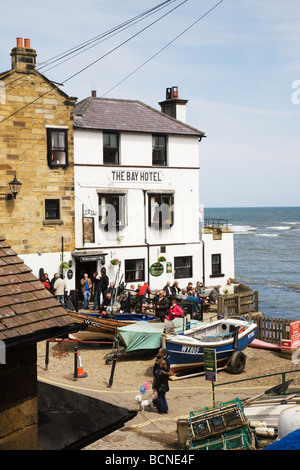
(127, 115)
(26, 307)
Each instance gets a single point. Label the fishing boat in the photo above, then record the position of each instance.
(228, 337)
(146, 335)
(99, 326)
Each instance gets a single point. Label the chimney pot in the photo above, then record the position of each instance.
(94, 93)
(27, 43)
(19, 42)
(175, 92)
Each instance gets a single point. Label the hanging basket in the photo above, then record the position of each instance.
(115, 262)
(64, 266)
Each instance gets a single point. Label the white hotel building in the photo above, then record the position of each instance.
(137, 195)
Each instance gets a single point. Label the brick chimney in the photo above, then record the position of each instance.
(23, 58)
(173, 106)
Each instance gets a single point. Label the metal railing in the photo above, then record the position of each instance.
(216, 223)
(283, 374)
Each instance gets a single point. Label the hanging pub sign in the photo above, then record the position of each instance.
(169, 267)
(88, 230)
(156, 269)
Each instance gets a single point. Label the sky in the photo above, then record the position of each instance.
(237, 63)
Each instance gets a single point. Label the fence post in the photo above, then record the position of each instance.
(75, 363)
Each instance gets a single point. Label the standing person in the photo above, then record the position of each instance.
(143, 293)
(45, 281)
(59, 289)
(228, 288)
(97, 281)
(161, 306)
(161, 384)
(162, 354)
(175, 289)
(104, 283)
(168, 290)
(86, 284)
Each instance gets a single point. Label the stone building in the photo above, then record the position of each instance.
(28, 314)
(36, 142)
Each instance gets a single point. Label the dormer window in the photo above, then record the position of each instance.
(57, 142)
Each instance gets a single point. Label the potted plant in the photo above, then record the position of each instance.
(161, 259)
(115, 261)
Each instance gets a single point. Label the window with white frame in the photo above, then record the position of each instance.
(112, 211)
(57, 147)
(160, 208)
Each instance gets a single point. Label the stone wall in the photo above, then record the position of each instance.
(30, 103)
(18, 400)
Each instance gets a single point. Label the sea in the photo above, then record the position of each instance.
(267, 255)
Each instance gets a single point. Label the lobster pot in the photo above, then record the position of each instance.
(237, 439)
(223, 426)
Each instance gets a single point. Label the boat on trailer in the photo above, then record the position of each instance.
(229, 337)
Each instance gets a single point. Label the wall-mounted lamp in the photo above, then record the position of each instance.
(14, 187)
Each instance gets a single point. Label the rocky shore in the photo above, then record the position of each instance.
(149, 430)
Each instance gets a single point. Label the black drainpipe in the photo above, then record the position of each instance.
(146, 241)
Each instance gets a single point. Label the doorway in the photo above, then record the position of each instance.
(88, 267)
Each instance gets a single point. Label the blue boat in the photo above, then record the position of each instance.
(228, 337)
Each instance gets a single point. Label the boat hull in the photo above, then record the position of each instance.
(187, 354)
(98, 327)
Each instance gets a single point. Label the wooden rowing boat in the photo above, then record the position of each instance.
(98, 326)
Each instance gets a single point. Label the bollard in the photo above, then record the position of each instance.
(47, 355)
(112, 370)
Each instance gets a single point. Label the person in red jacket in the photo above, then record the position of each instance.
(143, 293)
(175, 311)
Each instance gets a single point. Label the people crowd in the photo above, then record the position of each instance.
(168, 303)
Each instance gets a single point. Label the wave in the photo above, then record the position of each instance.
(279, 227)
(242, 229)
(267, 235)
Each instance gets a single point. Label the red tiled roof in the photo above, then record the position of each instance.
(26, 307)
(127, 115)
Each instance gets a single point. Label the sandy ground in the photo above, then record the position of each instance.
(149, 430)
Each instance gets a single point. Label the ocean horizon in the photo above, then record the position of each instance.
(267, 254)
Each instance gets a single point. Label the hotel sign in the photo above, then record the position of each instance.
(137, 176)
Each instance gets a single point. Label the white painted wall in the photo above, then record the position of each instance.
(50, 262)
(225, 246)
(181, 177)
